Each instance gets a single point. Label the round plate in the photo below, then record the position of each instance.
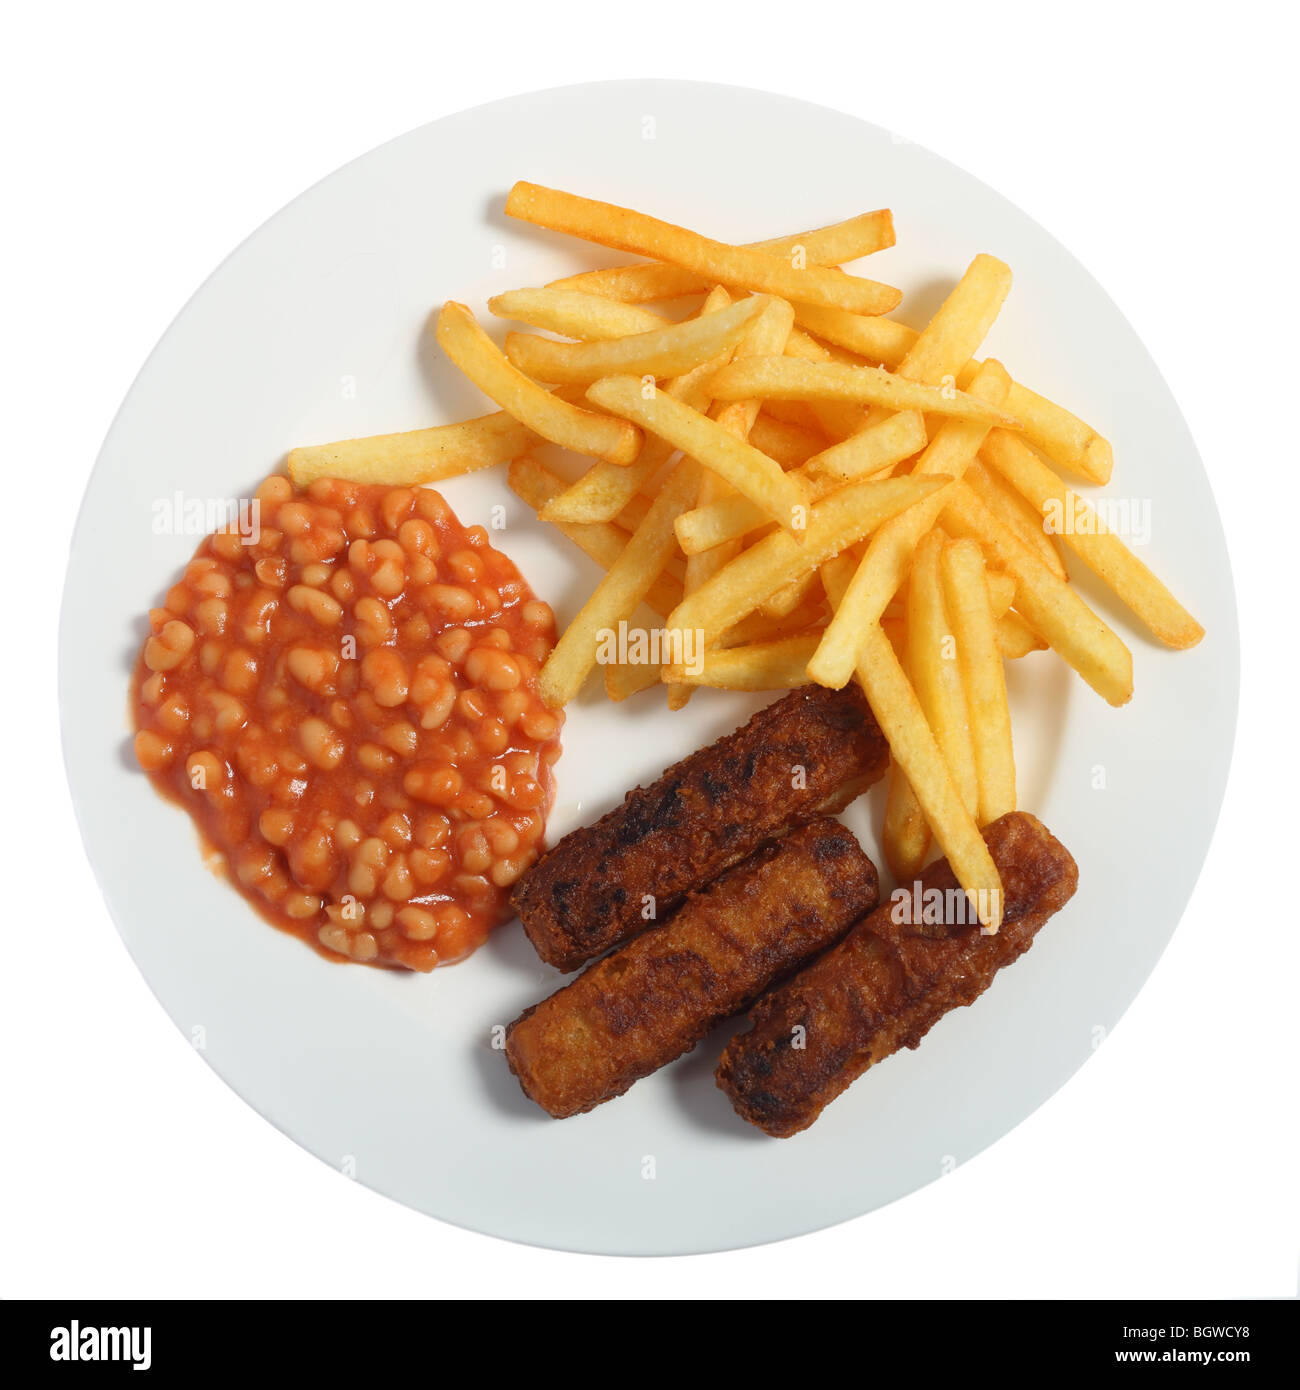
(316, 328)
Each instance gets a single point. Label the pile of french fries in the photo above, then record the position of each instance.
(803, 488)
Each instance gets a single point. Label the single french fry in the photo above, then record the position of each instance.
(583, 431)
(601, 541)
(576, 315)
(714, 261)
(1050, 605)
(1079, 526)
(876, 339)
(898, 712)
(1016, 638)
(1016, 514)
(662, 352)
(834, 245)
(625, 584)
(875, 581)
(774, 665)
(750, 472)
(774, 378)
(892, 440)
(934, 669)
(970, 612)
(839, 521)
(415, 456)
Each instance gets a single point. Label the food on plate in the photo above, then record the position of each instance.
(806, 496)
(890, 980)
(341, 690)
(653, 999)
(812, 751)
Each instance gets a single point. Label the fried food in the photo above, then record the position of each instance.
(812, 751)
(655, 998)
(890, 981)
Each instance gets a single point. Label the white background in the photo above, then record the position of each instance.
(143, 142)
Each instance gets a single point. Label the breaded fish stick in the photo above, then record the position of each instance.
(812, 751)
(654, 999)
(888, 983)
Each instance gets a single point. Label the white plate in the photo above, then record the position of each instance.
(315, 329)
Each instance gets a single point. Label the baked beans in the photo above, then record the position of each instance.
(346, 703)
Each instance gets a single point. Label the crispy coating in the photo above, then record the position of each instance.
(655, 998)
(887, 983)
(704, 814)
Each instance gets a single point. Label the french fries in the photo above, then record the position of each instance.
(1079, 526)
(970, 611)
(482, 361)
(840, 521)
(638, 284)
(1050, 605)
(785, 378)
(575, 314)
(601, 541)
(662, 352)
(751, 473)
(1017, 515)
(933, 664)
(625, 584)
(605, 489)
(718, 522)
(874, 583)
(714, 261)
(775, 665)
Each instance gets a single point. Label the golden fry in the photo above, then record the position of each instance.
(775, 378)
(574, 314)
(415, 456)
